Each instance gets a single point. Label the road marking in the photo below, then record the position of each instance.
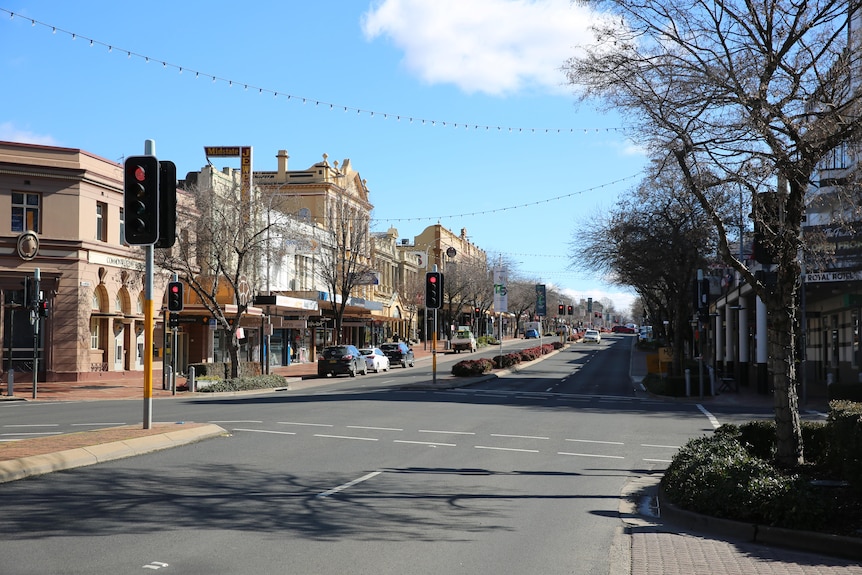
(346, 437)
(658, 460)
(99, 424)
(234, 421)
(449, 432)
(374, 428)
(265, 431)
(590, 455)
(306, 424)
(518, 436)
(154, 565)
(434, 443)
(661, 446)
(709, 416)
(33, 425)
(506, 449)
(594, 441)
(349, 484)
(32, 433)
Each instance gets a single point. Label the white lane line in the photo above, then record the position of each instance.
(449, 432)
(712, 419)
(265, 431)
(234, 421)
(549, 389)
(374, 428)
(346, 437)
(303, 423)
(660, 446)
(658, 460)
(506, 449)
(518, 436)
(349, 484)
(434, 443)
(99, 423)
(33, 425)
(590, 455)
(594, 441)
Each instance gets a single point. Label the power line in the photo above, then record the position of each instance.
(305, 99)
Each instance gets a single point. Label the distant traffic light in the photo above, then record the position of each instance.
(141, 200)
(434, 290)
(561, 310)
(571, 310)
(43, 308)
(175, 296)
(476, 310)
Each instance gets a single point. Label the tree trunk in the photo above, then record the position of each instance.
(233, 352)
(781, 311)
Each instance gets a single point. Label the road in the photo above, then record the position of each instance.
(358, 476)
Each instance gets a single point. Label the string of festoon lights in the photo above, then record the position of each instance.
(508, 208)
(303, 99)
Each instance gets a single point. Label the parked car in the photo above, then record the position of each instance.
(592, 336)
(340, 359)
(531, 334)
(622, 329)
(375, 359)
(399, 353)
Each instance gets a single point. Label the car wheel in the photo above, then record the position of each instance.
(352, 371)
(365, 370)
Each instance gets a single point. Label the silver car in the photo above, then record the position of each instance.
(592, 336)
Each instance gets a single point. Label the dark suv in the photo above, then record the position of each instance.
(398, 353)
(336, 359)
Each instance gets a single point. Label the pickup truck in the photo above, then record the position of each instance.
(463, 339)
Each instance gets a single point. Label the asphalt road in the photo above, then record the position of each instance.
(358, 476)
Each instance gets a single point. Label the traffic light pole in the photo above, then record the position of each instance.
(150, 150)
(35, 319)
(433, 348)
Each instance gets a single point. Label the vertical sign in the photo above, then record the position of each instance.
(541, 302)
(501, 297)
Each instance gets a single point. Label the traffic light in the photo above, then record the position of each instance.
(476, 310)
(561, 310)
(141, 200)
(28, 293)
(175, 296)
(167, 204)
(434, 290)
(43, 308)
(571, 310)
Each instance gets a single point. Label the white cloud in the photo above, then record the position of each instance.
(491, 46)
(10, 133)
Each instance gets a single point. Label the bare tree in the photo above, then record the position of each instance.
(219, 255)
(347, 263)
(655, 241)
(753, 93)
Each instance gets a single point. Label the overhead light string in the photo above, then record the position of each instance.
(332, 106)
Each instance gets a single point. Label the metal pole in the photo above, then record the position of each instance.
(34, 316)
(150, 150)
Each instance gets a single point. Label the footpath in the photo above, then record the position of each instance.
(667, 542)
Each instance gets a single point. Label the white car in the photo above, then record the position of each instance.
(375, 359)
(592, 336)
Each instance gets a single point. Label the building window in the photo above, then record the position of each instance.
(25, 212)
(101, 221)
(95, 333)
(122, 226)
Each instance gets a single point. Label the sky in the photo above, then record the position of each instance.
(455, 112)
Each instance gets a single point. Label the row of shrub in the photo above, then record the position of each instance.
(221, 370)
(243, 383)
(730, 474)
(473, 367)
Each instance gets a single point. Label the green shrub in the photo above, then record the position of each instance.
(845, 419)
(246, 383)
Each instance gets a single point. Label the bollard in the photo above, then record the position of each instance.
(10, 389)
(688, 383)
(191, 380)
(166, 382)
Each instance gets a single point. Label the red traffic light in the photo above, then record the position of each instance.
(432, 279)
(140, 173)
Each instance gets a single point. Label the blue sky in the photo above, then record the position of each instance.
(498, 143)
